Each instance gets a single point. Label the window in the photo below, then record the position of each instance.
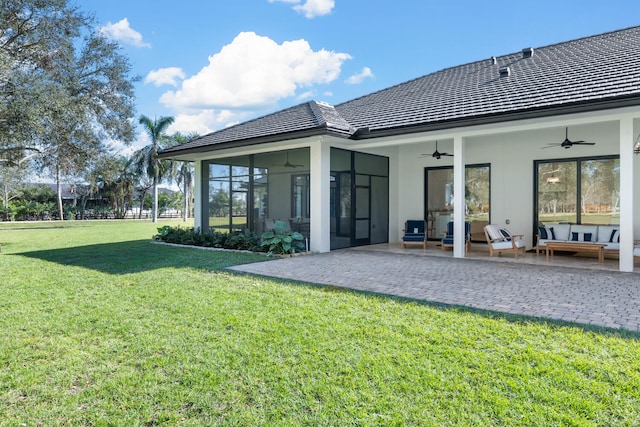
(439, 196)
(301, 202)
(578, 191)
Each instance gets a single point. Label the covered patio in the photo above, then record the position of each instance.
(480, 252)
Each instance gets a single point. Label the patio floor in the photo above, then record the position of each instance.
(571, 289)
(480, 251)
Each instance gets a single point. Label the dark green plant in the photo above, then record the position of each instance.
(244, 240)
(212, 239)
(281, 240)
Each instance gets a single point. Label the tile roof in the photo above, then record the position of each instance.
(310, 118)
(588, 73)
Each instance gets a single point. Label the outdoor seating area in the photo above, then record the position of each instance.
(480, 252)
(599, 239)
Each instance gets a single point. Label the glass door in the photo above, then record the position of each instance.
(362, 217)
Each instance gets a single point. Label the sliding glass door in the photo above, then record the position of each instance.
(578, 191)
(439, 197)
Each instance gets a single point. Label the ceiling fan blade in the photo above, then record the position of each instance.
(446, 154)
(288, 164)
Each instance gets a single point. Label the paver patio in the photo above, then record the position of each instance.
(582, 295)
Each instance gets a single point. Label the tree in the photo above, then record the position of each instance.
(11, 184)
(184, 173)
(32, 35)
(146, 159)
(118, 186)
(64, 87)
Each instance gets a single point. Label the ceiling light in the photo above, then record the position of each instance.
(553, 180)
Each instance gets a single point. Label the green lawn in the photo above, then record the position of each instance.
(100, 327)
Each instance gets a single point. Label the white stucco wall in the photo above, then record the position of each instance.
(511, 156)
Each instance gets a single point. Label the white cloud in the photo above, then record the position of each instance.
(204, 122)
(165, 76)
(121, 31)
(254, 71)
(310, 8)
(306, 95)
(359, 77)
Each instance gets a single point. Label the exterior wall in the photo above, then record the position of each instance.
(511, 156)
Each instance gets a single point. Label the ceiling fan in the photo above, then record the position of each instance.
(436, 154)
(288, 164)
(567, 143)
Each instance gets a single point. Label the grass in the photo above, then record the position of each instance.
(99, 327)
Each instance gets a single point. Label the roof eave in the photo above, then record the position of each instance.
(320, 131)
(569, 108)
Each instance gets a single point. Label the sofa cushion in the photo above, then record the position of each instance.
(558, 231)
(604, 233)
(501, 245)
(612, 247)
(493, 230)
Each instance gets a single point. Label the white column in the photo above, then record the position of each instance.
(458, 197)
(320, 233)
(197, 192)
(626, 194)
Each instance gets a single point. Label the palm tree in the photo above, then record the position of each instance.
(183, 172)
(146, 159)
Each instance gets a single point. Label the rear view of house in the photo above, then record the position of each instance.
(542, 135)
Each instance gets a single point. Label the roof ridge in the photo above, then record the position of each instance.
(317, 114)
(333, 120)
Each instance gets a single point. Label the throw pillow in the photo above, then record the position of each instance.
(587, 237)
(553, 234)
(543, 233)
(615, 236)
(574, 236)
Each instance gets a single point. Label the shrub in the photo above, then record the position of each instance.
(282, 240)
(212, 239)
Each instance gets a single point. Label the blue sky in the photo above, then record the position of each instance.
(213, 63)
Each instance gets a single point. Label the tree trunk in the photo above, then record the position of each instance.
(83, 203)
(144, 194)
(154, 208)
(59, 192)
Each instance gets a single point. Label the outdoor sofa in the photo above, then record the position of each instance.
(608, 235)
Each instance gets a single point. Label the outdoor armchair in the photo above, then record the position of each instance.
(447, 240)
(415, 233)
(501, 240)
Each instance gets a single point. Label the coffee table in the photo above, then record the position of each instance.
(577, 247)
